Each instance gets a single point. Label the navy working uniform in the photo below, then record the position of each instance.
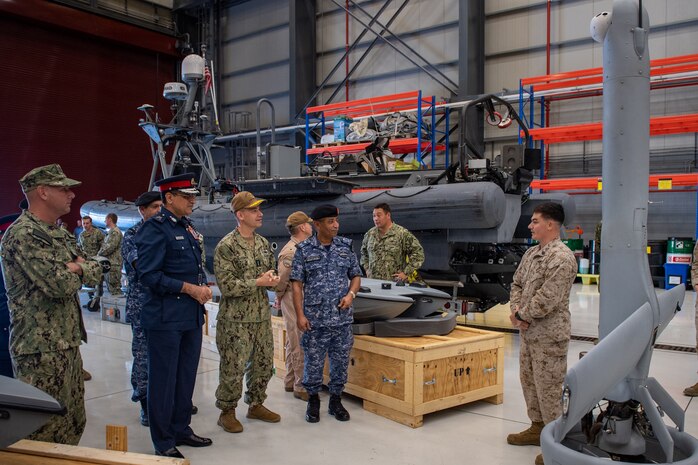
(325, 272)
(5, 360)
(169, 255)
(135, 296)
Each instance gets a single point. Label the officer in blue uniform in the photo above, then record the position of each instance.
(5, 361)
(148, 204)
(325, 276)
(171, 270)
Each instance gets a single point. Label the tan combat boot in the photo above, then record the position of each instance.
(228, 421)
(302, 395)
(691, 391)
(260, 412)
(527, 437)
(539, 459)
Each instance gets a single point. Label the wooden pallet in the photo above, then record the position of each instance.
(588, 278)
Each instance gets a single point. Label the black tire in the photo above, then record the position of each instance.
(93, 305)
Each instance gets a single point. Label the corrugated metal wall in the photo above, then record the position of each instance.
(70, 98)
(515, 47)
(430, 27)
(255, 51)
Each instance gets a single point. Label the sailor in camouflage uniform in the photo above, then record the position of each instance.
(692, 391)
(326, 277)
(5, 359)
(389, 251)
(111, 250)
(148, 204)
(540, 297)
(245, 267)
(44, 268)
(91, 238)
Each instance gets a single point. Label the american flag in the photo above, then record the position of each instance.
(208, 79)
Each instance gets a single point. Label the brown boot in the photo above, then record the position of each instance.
(539, 459)
(228, 421)
(260, 412)
(527, 437)
(691, 391)
(302, 395)
(86, 375)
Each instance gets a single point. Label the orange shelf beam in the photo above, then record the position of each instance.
(658, 67)
(660, 125)
(397, 146)
(571, 184)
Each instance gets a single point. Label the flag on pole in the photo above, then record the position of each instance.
(208, 80)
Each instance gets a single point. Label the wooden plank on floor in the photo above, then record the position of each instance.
(46, 453)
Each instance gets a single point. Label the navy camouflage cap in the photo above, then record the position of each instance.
(49, 175)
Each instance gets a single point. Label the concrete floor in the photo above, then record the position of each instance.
(474, 433)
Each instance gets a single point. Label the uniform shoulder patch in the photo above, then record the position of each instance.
(41, 235)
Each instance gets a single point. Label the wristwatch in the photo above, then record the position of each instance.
(353, 295)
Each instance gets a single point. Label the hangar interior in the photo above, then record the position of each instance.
(77, 74)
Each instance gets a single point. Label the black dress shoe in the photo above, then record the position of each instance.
(194, 441)
(173, 452)
(194, 409)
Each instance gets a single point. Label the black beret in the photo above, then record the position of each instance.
(324, 211)
(146, 198)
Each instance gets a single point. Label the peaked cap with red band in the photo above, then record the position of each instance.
(184, 183)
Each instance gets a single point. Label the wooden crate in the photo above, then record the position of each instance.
(405, 378)
(279, 331)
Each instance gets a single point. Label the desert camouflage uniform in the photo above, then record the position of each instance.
(47, 324)
(326, 275)
(135, 296)
(91, 241)
(284, 295)
(397, 250)
(111, 249)
(541, 291)
(243, 329)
